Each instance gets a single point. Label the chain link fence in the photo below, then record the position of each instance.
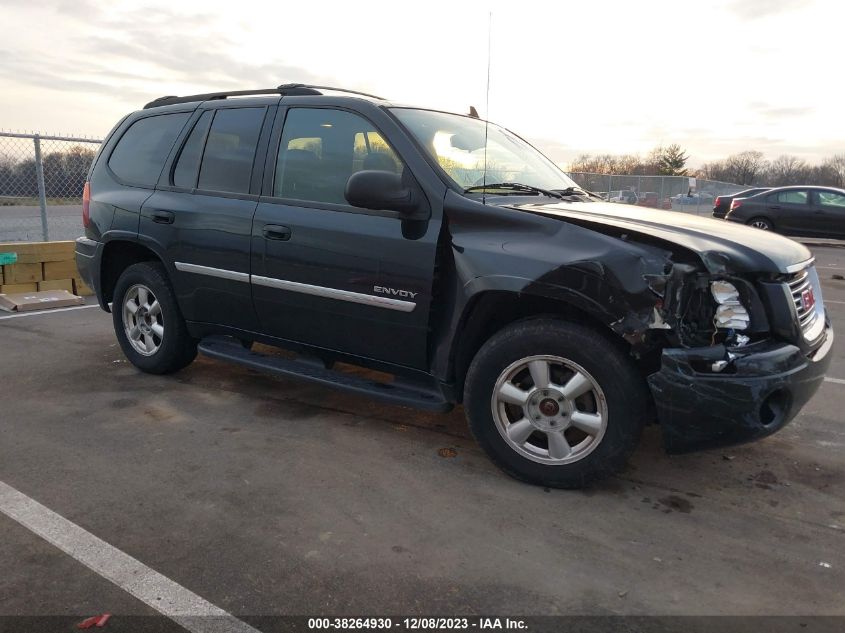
(41, 181)
(677, 193)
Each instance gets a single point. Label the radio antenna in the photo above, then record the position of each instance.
(487, 108)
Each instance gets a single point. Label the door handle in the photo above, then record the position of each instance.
(276, 232)
(162, 217)
(775, 207)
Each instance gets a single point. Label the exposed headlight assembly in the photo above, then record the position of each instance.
(730, 313)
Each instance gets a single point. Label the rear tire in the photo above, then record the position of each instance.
(554, 403)
(148, 323)
(764, 224)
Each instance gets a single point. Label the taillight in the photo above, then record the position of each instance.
(717, 202)
(735, 204)
(86, 201)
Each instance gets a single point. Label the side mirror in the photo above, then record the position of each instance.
(380, 190)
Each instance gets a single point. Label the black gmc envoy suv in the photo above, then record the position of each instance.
(452, 255)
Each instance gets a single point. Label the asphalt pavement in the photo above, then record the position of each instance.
(23, 223)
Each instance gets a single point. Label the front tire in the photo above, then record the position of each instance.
(148, 323)
(555, 403)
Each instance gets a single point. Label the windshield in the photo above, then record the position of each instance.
(457, 143)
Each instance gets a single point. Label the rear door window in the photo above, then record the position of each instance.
(230, 150)
(187, 165)
(792, 197)
(140, 153)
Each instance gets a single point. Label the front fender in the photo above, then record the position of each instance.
(484, 298)
(584, 296)
(488, 249)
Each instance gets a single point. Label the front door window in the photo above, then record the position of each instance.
(321, 148)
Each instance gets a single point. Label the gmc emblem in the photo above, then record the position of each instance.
(808, 300)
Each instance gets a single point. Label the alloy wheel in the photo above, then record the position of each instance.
(549, 409)
(142, 320)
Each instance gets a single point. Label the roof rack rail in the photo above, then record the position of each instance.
(284, 89)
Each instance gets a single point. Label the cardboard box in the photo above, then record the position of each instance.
(13, 288)
(26, 301)
(60, 270)
(80, 288)
(37, 252)
(57, 284)
(23, 273)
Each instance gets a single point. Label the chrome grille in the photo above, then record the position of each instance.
(808, 317)
(797, 285)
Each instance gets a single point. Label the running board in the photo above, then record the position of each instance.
(418, 396)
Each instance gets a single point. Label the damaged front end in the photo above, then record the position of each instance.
(734, 362)
(728, 326)
(715, 396)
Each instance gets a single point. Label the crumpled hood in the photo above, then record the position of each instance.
(723, 246)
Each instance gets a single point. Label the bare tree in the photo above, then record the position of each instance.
(745, 168)
(602, 164)
(629, 164)
(618, 164)
(715, 170)
(835, 166)
(787, 170)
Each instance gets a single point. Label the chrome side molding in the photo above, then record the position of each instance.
(334, 293)
(294, 286)
(212, 272)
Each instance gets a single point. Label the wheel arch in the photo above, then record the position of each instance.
(118, 255)
(491, 310)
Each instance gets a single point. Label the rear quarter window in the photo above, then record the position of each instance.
(139, 155)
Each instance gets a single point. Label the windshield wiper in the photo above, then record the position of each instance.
(517, 187)
(576, 191)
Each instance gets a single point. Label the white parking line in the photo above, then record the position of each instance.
(18, 315)
(147, 585)
(831, 301)
(838, 381)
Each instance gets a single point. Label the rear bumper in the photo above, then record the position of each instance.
(767, 386)
(89, 253)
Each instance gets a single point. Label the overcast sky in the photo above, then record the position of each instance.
(716, 76)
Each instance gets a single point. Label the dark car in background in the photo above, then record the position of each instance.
(723, 203)
(797, 210)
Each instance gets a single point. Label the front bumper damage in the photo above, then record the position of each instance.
(756, 394)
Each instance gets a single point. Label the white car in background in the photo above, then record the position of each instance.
(626, 196)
